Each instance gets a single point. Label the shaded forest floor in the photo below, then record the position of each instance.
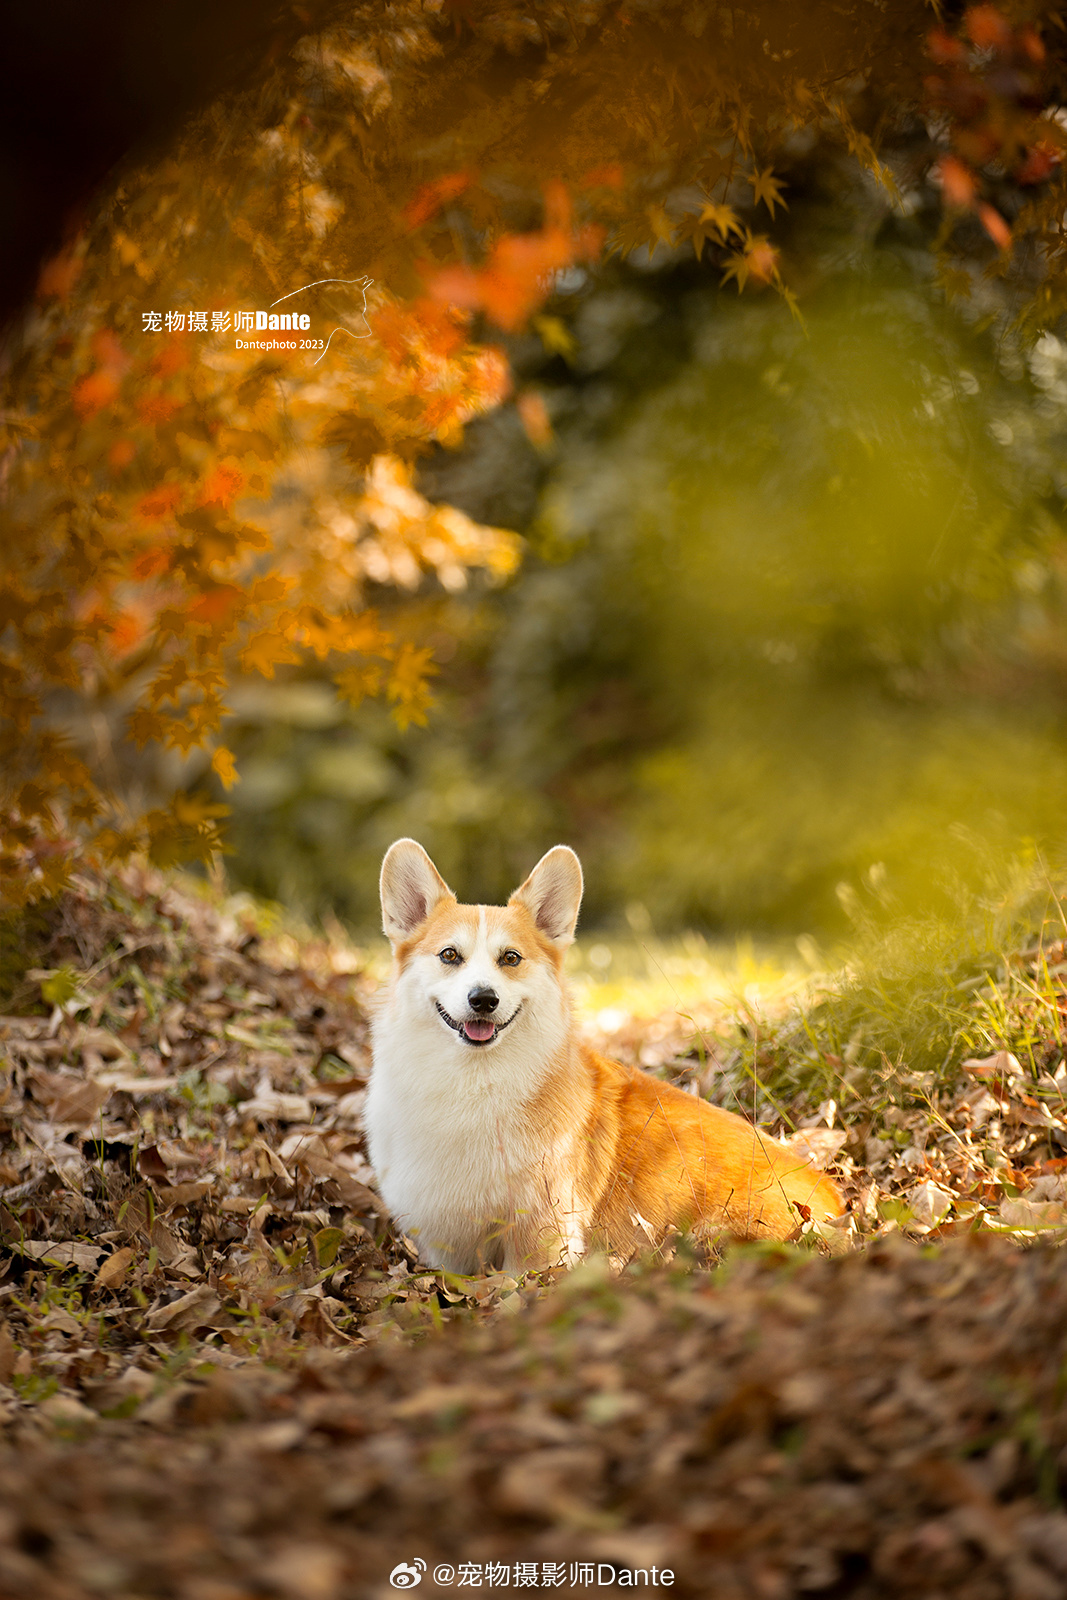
(223, 1374)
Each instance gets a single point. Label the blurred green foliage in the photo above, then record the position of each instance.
(791, 622)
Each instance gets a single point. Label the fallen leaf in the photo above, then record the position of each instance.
(268, 1105)
(70, 1100)
(305, 1571)
(150, 1163)
(1001, 1065)
(115, 1267)
(170, 1195)
(929, 1203)
(127, 1083)
(63, 1253)
(64, 1411)
(9, 1353)
(189, 1311)
(439, 1398)
(818, 1145)
(1036, 1214)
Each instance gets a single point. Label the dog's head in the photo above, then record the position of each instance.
(479, 970)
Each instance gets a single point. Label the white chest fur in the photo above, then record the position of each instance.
(465, 1168)
(468, 1115)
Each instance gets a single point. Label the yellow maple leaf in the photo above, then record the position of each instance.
(408, 688)
(556, 337)
(723, 219)
(179, 735)
(144, 726)
(265, 651)
(768, 188)
(167, 682)
(222, 762)
(662, 226)
(355, 683)
(736, 267)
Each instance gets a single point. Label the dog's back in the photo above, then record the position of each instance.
(668, 1159)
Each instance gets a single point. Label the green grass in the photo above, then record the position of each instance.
(893, 1012)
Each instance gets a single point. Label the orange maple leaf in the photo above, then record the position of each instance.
(533, 413)
(93, 393)
(126, 631)
(157, 408)
(223, 485)
(159, 502)
(217, 605)
(986, 28)
(432, 196)
(995, 226)
(517, 277)
(958, 183)
(151, 562)
(171, 357)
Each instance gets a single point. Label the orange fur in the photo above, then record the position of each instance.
(663, 1157)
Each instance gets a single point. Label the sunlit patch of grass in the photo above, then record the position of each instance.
(633, 978)
(777, 1024)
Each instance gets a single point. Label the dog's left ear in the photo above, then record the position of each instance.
(552, 894)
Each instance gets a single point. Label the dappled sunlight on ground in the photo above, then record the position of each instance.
(652, 1000)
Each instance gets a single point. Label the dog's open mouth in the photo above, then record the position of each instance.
(478, 1030)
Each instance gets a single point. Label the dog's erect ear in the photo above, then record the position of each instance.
(552, 894)
(411, 887)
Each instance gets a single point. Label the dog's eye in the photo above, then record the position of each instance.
(450, 956)
(510, 958)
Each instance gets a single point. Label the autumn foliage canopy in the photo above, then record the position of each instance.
(182, 509)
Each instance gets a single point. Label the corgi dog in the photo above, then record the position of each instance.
(500, 1139)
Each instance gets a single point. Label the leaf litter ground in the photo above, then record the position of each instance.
(224, 1375)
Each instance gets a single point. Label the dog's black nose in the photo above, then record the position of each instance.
(484, 1001)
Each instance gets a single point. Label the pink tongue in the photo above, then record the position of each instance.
(476, 1028)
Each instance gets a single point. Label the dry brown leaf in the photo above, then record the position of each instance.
(61, 1253)
(69, 1100)
(132, 1213)
(170, 1195)
(9, 1353)
(115, 1268)
(1001, 1065)
(150, 1163)
(268, 1105)
(274, 1164)
(64, 1411)
(818, 1145)
(189, 1311)
(551, 1482)
(1033, 1214)
(127, 1083)
(104, 1042)
(438, 1398)
(167, 1245)
(304, 1571)
(929, 1203)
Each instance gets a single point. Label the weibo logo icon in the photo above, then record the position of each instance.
(404, 1576)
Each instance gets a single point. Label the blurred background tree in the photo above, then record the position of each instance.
(790, 614)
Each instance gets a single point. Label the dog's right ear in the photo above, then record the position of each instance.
(411, 886)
